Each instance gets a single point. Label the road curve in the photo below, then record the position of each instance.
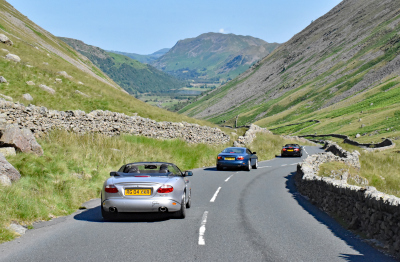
(235, 216)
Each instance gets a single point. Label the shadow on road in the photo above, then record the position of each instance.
(367, 253)
(94, 215)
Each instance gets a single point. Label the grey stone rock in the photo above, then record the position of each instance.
(2, 79)
(47, 89)
(20, 230)
(9, 98)
(7, 151)
(8, 170)
(27, 97)
(21, 139)
(30, 83)
(5, 181)
(13, 57)
(5, 40)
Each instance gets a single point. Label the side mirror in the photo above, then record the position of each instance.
(188, 173)
(254, 153)
(113, 173)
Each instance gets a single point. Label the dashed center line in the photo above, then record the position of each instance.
(226, 180)
(215, 195)
(284, 165)
(293, 164)
(202, 229)
(263, 166)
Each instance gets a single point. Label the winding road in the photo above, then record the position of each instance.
(235, 216)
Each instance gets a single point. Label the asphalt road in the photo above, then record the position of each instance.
(235, 216)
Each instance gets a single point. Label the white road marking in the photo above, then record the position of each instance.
(202, 229)
(294, 164)
(284, 165)
(263, 166)
(215, 195)
(226, 180)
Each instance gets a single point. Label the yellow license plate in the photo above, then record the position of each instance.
(137, 192)
(229, 158)
(290, 150)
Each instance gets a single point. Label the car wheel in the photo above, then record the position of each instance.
(255, 166)
(219, 167)
(248, 167)
(189, 203)
(182, 212)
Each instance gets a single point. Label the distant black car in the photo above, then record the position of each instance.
(292, 150)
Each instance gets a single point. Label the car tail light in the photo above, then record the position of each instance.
(296, 149)
(111, 189)
(240, 158)
(165, 189)
(219, 157)
(284, 149)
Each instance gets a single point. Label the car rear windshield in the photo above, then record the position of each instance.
(233, 150)
(150, 169)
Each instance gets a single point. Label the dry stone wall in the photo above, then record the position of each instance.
(375, 214)
(249, 136)
(41, 120)
(385, 144)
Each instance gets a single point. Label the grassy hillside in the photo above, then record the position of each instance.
(213, 57)
(343, 70)
(132, 75)
(145, 59)
(43, 56)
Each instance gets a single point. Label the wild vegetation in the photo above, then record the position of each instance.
(74, 167)
(379, 168)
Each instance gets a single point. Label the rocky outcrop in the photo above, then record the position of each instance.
(13, 57)
(5, 40)
(375, 214)
(47, 89)
(21, 139)
(41, 120)
(8, 173)
(249, 136)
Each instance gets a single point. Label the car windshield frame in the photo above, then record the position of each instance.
(233, 150)
(150, 169)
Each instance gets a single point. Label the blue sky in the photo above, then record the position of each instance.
(143, 26)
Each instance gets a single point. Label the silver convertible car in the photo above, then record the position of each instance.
(146, 187)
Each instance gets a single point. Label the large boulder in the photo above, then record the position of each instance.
(5, 40)
(7, 171)
(13, 57)
(21, 139)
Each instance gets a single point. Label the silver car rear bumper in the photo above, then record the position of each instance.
(141, 205)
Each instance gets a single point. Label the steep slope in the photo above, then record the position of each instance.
(213, 56)
(57, 77)
(130, 74)
(145, 59)
(343, 67)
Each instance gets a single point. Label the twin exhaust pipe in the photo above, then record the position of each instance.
(114, 209)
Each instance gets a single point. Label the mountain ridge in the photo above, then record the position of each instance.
(129, 73)
(213, 56)
(349, 55)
